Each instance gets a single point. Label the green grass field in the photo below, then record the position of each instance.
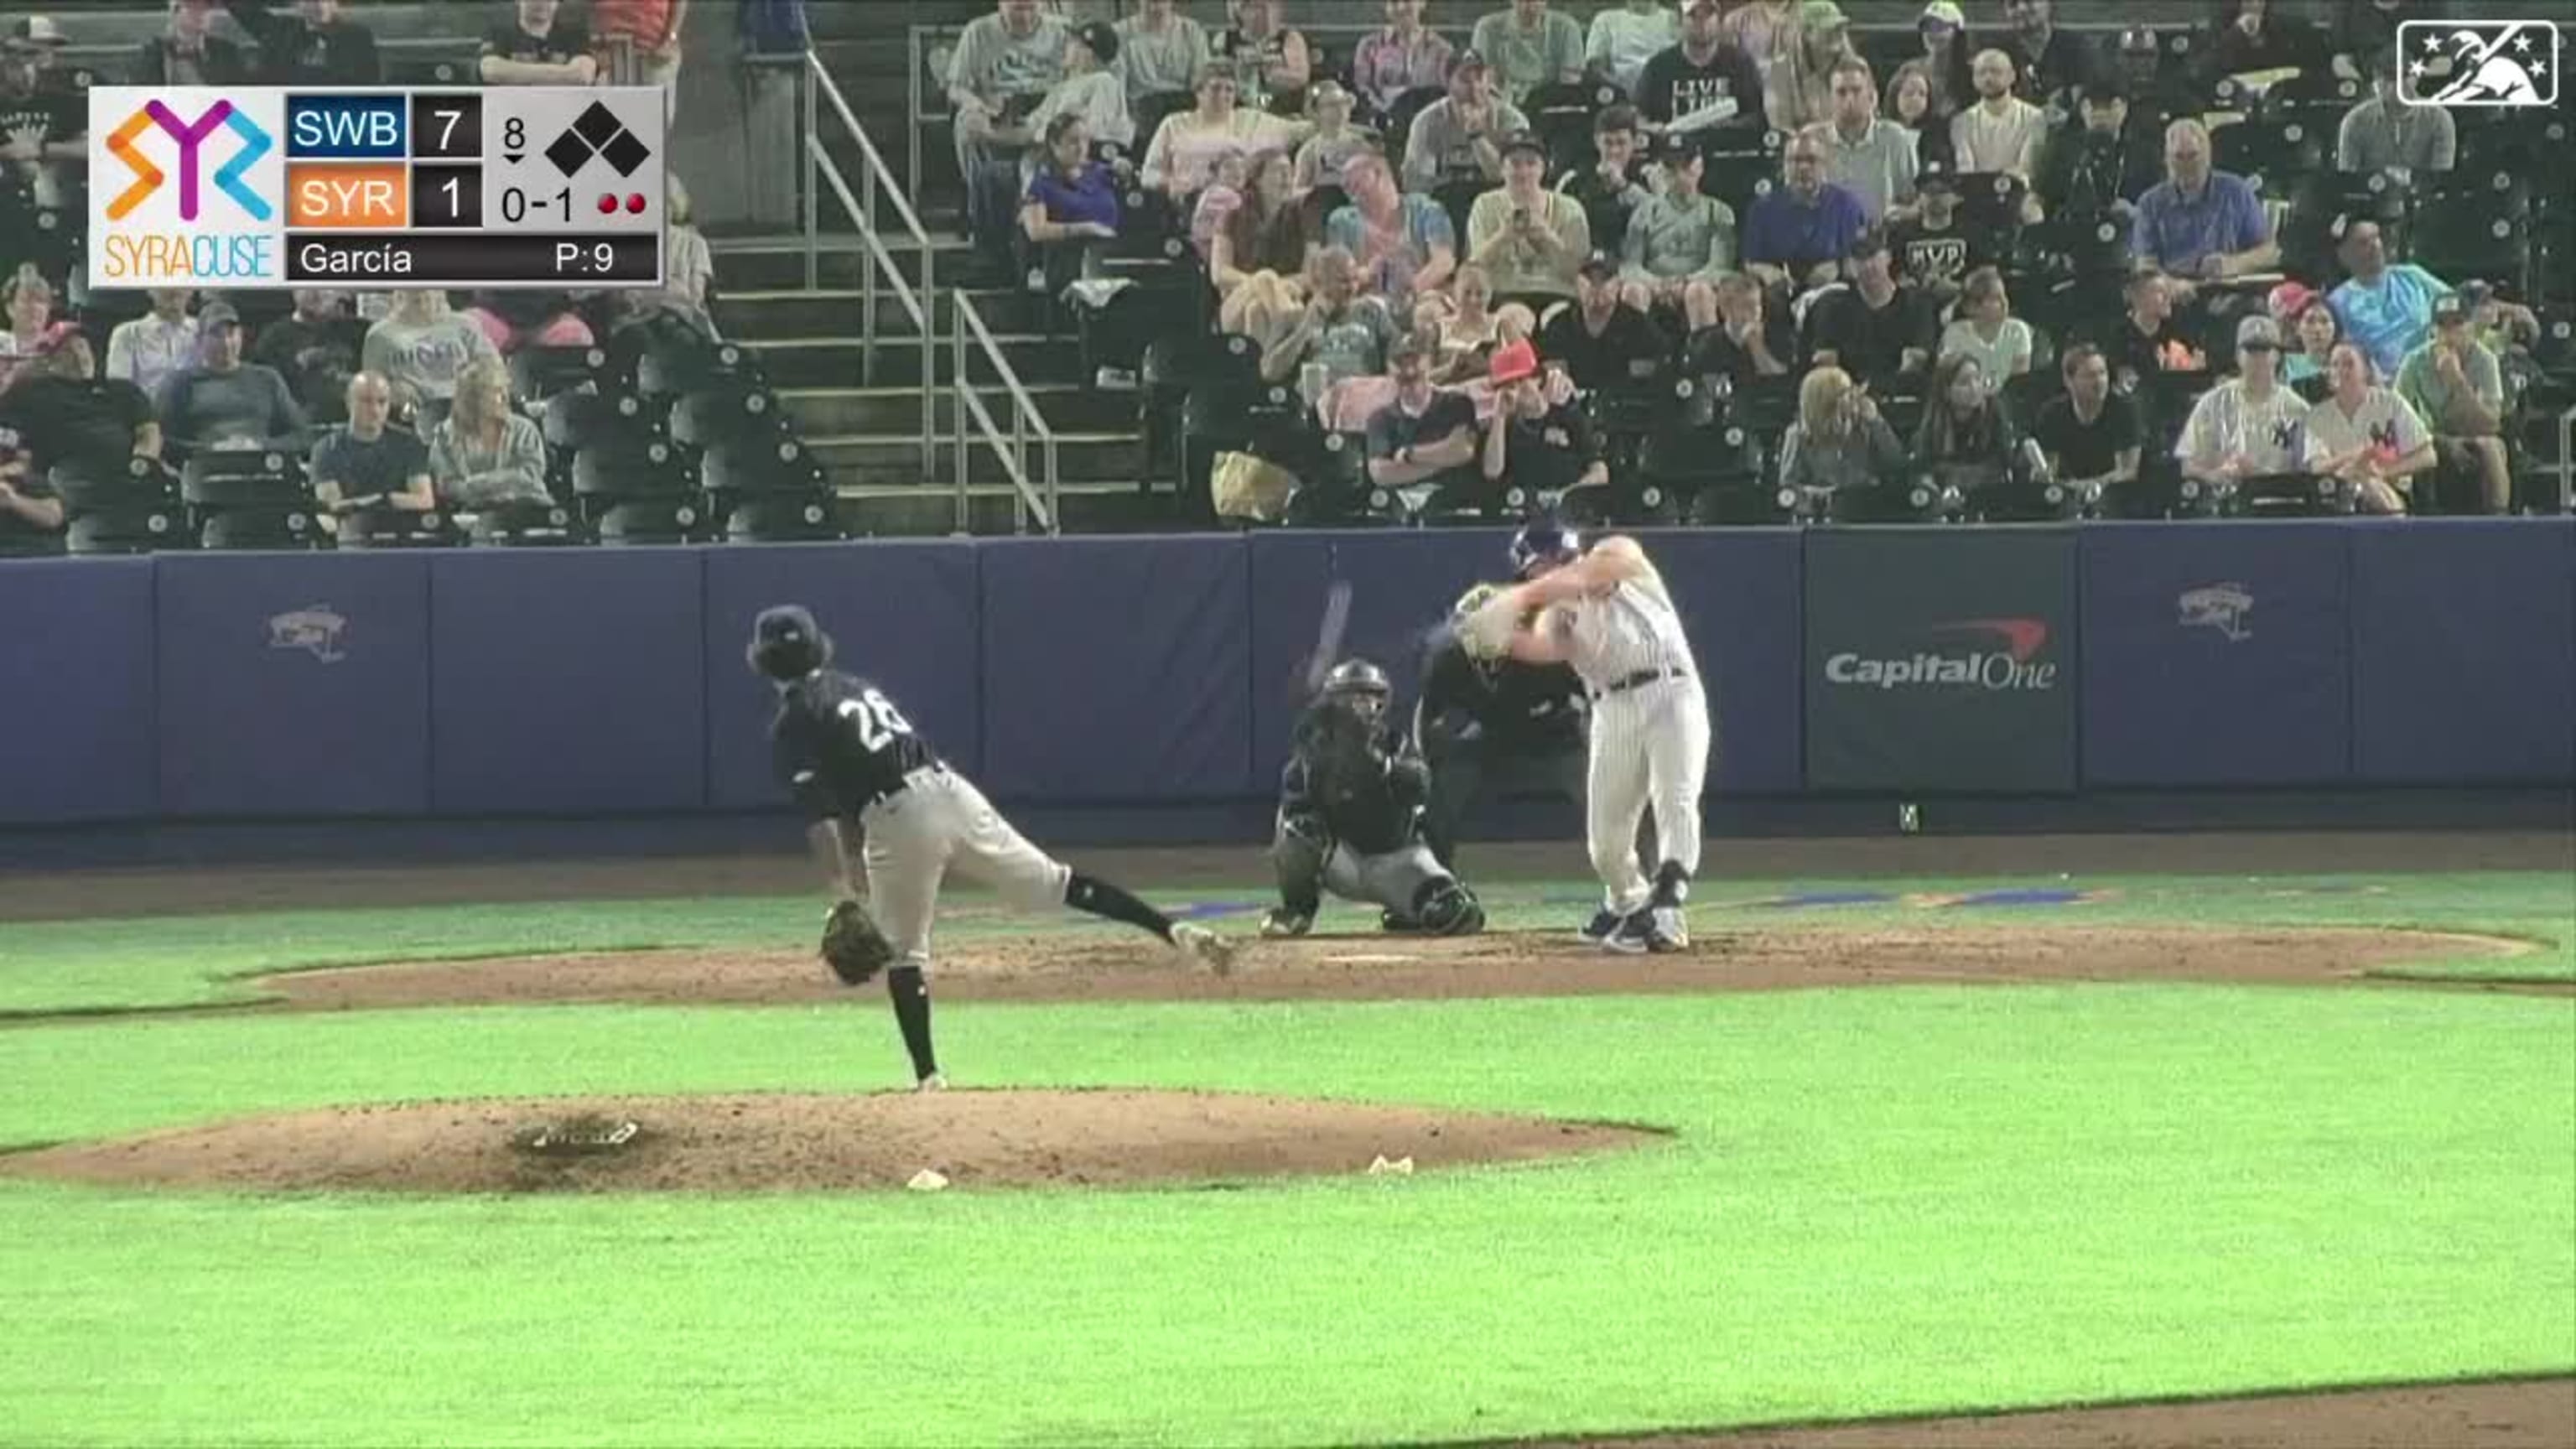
(1878, 1201)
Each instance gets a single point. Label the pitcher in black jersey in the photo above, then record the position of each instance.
(856, 763)
(1495, 723)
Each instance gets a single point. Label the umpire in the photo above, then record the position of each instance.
(1493, 722)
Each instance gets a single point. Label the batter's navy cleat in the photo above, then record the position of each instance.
(1665, 933)
(1204, 946)
(1634, 937)
(1283, 923)
(1603, 925)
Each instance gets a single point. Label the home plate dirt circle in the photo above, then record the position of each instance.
(813, 1143)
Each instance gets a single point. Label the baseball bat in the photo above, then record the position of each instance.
(1328, 637)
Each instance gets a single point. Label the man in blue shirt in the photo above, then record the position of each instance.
(2199, 222)
(2388, 310)
(1800, 231)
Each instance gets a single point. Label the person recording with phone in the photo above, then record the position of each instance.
(1839, 441)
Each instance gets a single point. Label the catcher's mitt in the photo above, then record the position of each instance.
(853, 946)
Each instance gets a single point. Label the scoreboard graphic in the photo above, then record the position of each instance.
(237, 187)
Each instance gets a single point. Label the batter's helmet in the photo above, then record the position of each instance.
(1542, 540)
(787, 644)
(1357, 676)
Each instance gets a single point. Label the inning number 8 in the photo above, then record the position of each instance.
(876, 718)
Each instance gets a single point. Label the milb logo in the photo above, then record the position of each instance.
(191, 137)
(2013, 667)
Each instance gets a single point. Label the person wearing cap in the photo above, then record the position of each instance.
(1002, 68)
(1341, 331)
(1405, 56)
(1934, 248)
(1799, 232)
(1527, 238)
(1424, 437)
(2047, 61)
(318, 46)
(1704, 80)
(224, 402)
(1530, 46)
(1459, 136)
(63, 412)
(2251, 425)
(1797, 91)
(1944, 30)
(1091, 88)
(1335, 142)
(1678, 241)
(184, 54)
(315, 349)
(1610, 189)
(2098, 167)
(2001, 133)
(2455, 383)
(1271, 58)
(2156, 93)
(2090, 433)
(2368, 436)
(1625, 36)
(1404, 241)
(2387, 308)
(2384, 135)
(1600, 342)
(1873, 329)
(1872, 159)
(146, 350)
(1160, 51)
(2200, 222)
(1544, 448)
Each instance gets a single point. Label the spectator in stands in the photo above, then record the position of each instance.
(2001, 133)
(1800, 231)
(1187, 148)
(1003, 67)
(1260, 248)
(2199, 221)
(1530, 46)
(1528, 238)
(184, 54)
(2253, 39)
(1467, 331)
(485, 454)
(2368, 436)
(1872, 159)
(1335, 142)
(1601, 343)
(316, 46)
(2366, 29)
(1679, 242)
(2455, 385)
(1705, 80)
(1797, 91)
(28, 300)
(315, 349)
(688, 263)
(1070, 197)
(1839, 441)
(61, 411)
(637, 42)
(1404, 241)
(539, 46)
(1759, 28)
(364, 464)
(1270, 59)
(1425, 437)
(1541, 446)
(27, 500)
(224, 402)
(1986, 330)
(42, 124)
(1459, 136)
(2158, 94)
(1609, 189)
(2384, 134)
(1965, 437)
(2097, 168)
(1935, 249)
(1749, 342)
(1091, 89)
(2149, 341)
(2313, 328)
(2047, 62)
(1338, 328)
(2089, 433)
(1873, 329)
(2249, 426)
(513, 318)
(1625, 36)
(1160, 51)
(1910, 105)
(148, 349)
(1945, 58)
(2387, 309)
(1390, 64)
(423, 349)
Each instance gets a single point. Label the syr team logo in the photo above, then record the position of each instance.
(191, 137)
(2478, 62)
(186, 186)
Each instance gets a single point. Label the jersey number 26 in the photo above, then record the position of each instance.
(876, 718)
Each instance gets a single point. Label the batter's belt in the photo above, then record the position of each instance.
(1638, 680)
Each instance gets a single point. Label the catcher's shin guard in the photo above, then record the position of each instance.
(1298, 854)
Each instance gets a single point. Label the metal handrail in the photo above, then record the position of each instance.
(1026, 421)
(922, 305)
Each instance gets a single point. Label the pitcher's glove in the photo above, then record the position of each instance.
(853, 946)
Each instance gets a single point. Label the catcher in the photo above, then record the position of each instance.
(1350, 814)
(1489, 720)
(854, 761)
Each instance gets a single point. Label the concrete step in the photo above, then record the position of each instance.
(777, 263)
(792, 312)
(932, 512)
(896, 411)
(807, 362)
(888, 460)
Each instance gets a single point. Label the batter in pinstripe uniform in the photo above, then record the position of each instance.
(1605, 611)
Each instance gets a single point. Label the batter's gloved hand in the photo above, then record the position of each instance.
(853, 946)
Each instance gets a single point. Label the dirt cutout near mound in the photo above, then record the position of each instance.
(810, 1143)
(1371, 967)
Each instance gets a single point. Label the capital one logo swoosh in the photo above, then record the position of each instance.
(2022, 638)
(191, 136)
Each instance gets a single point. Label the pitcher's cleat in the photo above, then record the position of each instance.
(1204, 946)
(1282, 923)
(932, 1083)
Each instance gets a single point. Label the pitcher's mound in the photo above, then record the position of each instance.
(782, 1143)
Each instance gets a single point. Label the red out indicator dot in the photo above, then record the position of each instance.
(607, 204)
(635, 202)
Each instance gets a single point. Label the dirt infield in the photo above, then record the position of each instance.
(811, 1143)
(1089, 967)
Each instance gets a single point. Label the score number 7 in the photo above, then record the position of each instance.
(447, 131)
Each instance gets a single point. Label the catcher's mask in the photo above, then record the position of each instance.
(786, 643)
(1360, 687)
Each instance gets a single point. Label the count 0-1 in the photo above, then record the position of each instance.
(516, 204)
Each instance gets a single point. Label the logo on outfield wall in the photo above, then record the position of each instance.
(2478, 62)
(2008, 662)
(2222, 607)
(316, 630)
